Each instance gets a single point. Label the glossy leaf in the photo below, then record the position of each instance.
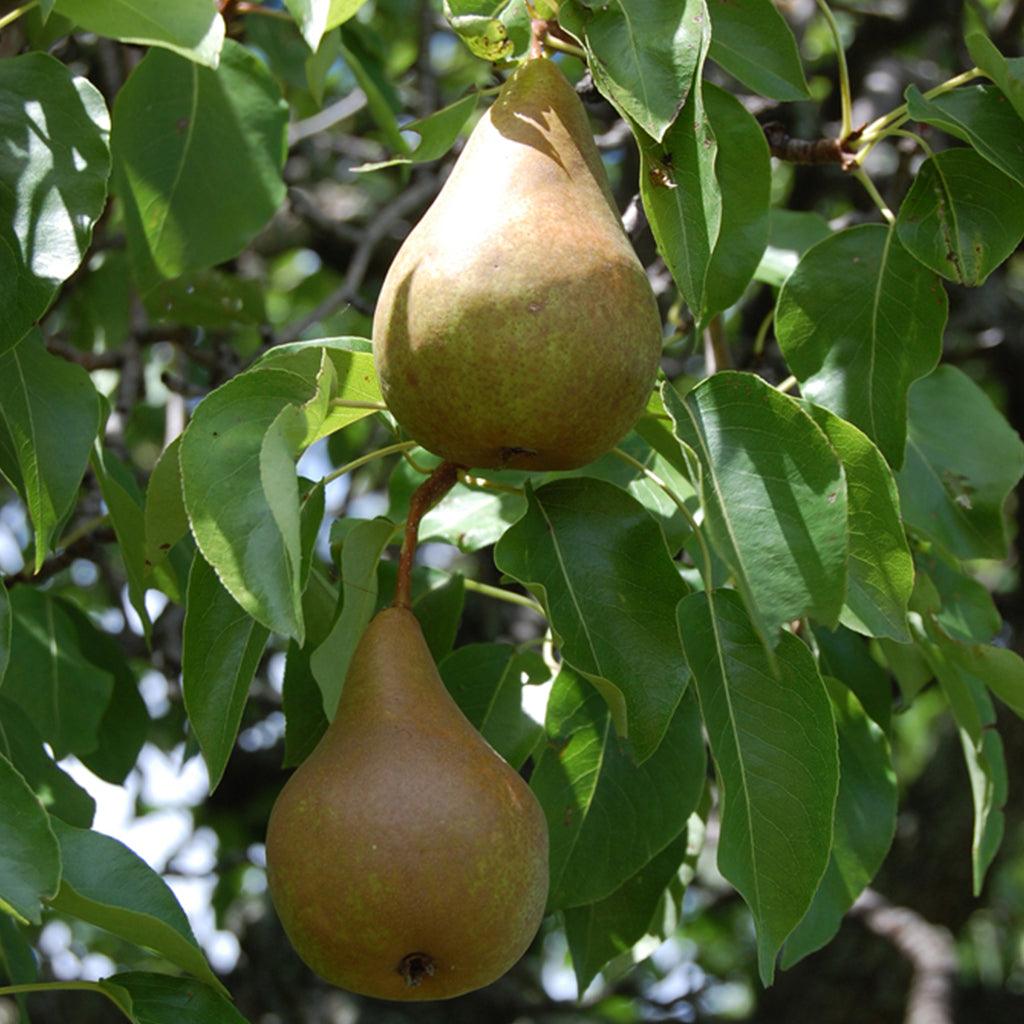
(743, 170)
(221, 648)
(360, 553)
(608, 816)
(643, 58)
(163, 999)
(962, 216)
(54, 164)
(790, 234)
(773, 493)
(67, 711)
(998, 668)
(240, 487)
(29, 854)
(858, 321)
(193, 28)
(108, 885)
(751, 40)
(598, 563)
(952, 488)
(980, 115)
(1007, 73)
(22, 745)
(881, 569)
(864, 827)
(773, 739)
(198, 156)
(486, 681)
(683, 198)
(963, 607)
(50, 412)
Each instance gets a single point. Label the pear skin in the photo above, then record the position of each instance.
(516, 327)
(405, 858)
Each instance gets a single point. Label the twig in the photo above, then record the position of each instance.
(716, 349)
(327, 118)
(375, 233)
(424, 498)
(928, 948)
(808, 151)
(17, 13)
(391, 449)
(79, 548)
(503, 595)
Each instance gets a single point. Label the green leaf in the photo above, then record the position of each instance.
(962, 216)
(165, 518)
(881, 569)
(600, 931)
(125, 505)
(125, 722)
(29, 854)
(54, 164)
(437, 133)
(773, 738)
(998, 668)
(162, 999)
(67, 710)
(303, 706)
(598, 562)
(198, 157)
(486, 681)
(983, 749)
(980, 115)
(111, 887)
(608, 816)
(470, 517)
(858, 321)
(683, 198)
(360, 553)
(339, 11)
(320, 62)
(743, 170)
(1007, 73)
(953, 488)
(845, 656)
(22, 745)
(192, 28)
(370, 77)
(51, 413)
(17, 961)
(963, 608)
(752, 41)
(207, 298)
(643, 56)
(864, 826)
(773, 493)
(221, 647)
(790, 234)
(240, 487)
(311, 17)
(439, 611)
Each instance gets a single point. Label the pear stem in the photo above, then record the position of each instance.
(428, 494)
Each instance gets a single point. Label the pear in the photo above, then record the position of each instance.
(516, 327)
(405, 858)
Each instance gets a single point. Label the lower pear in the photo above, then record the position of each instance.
(405, 858)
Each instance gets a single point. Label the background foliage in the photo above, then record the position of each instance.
(197, 208)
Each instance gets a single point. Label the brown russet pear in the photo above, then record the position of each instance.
(406, 859)
(516, 327)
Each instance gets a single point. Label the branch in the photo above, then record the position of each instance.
(804, 151)
(81, 547)
(928, 948)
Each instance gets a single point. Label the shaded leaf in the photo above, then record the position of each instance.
(773, 738)
(751, 40)
(439, 610)
(858, 321)
(773, 494)
(845, 656)
(790, 234)
(963, 608)
(51, 413)
(952, 488)
(221, 648)
(162, 999)
(303, 706)
(165, 518)
(1007, 73)
(29, 854)
(608, 816)
(598, 563)
(962, 216)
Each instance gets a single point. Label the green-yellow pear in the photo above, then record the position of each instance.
(405, 858)
(516, 326)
